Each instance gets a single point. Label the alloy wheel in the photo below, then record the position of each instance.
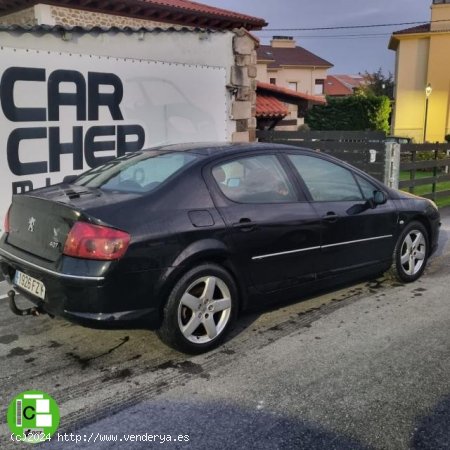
(413, 252)
(204, 309)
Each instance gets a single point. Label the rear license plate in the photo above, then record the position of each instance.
(29, 284)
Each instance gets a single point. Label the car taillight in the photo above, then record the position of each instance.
(96, 242)
(6, 227)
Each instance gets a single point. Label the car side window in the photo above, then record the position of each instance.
(367, 188)
(254, 179)
(326, 181)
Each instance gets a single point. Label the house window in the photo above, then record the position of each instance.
(293, 85)
(319, 86)
(273, 81)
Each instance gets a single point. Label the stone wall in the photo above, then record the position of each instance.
(243, 84)
(24, 17)
(79, 17)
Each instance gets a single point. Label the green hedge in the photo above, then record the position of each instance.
(353, 113)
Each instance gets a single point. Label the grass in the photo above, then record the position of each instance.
(427, 188)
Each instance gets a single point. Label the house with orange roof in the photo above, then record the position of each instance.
(283, 64)
(274, 103)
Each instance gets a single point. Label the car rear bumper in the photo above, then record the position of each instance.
(141, 318)
(113, 300)
(435, 230)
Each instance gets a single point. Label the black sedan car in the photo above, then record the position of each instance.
(181, 238)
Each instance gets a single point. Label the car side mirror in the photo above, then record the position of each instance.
(379, 198)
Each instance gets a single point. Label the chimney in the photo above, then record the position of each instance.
(440, 15)
(283, 42)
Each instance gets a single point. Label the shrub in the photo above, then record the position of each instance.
(354, 113)
(303, 127)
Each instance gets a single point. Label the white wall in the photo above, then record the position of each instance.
(191, 70)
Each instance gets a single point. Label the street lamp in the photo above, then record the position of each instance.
(428, 91)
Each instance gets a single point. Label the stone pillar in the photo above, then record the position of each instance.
(243, 84)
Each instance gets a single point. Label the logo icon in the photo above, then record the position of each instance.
(31, 224)
(33, 416)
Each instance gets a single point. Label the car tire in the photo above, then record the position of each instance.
(200, 309)
(411, 253)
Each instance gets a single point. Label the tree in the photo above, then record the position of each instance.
(378, 84)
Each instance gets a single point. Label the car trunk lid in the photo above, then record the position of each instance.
(40, 227)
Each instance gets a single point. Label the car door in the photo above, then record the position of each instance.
(354, 232)
(274, 233)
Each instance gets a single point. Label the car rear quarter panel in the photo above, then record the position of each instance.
(168, 235)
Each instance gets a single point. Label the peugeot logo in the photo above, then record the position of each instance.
(31, 224)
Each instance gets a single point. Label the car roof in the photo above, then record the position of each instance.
(220, 148)
(215, 150)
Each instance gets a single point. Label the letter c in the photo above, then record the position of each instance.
(32, 416)
(8, 80)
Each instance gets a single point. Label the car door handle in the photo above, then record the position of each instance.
(330, 217)
(245, 224)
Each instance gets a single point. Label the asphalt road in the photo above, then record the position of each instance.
(364, 367)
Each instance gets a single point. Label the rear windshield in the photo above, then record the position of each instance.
(136, 172)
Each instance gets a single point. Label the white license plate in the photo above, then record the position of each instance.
(29, 284)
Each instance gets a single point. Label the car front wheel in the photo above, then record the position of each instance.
(200, 309)
(411, 253)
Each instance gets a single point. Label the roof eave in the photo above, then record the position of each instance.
(103, 29)
(393, 43)
(288, 97)
(396, 38)
(271, 115)
(296, 66)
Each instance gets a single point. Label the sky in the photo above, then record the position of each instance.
(349, 54)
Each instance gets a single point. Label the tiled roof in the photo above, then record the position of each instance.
(268, 107)
(297, 56)
(335, 87)
(424, 28)
(339, 85)
(285, 92)
(190, 6)
(351, 81)
(183, 12)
